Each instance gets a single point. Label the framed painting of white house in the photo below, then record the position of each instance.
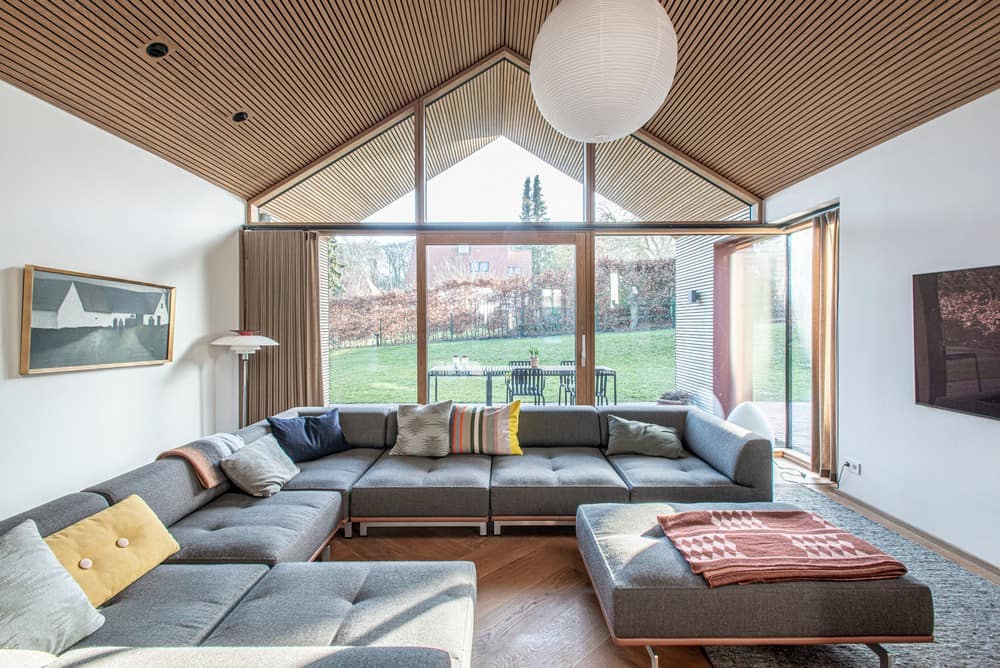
(74, 322)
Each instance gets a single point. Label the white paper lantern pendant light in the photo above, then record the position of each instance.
(600, 69)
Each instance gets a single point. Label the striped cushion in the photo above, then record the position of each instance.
(485, 430)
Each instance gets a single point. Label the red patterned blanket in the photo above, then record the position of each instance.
(748, 546)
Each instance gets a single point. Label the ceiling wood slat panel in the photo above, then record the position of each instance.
(767, 92)
(496, 103)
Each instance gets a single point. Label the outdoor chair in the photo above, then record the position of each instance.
(601, 389)
(567, 383)
(519, 363)
(526, 382)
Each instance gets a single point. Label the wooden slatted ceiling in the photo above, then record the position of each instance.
(766, 93)
(498, 103)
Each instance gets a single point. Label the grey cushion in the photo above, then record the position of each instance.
(237, 528)
(665, 416)
(174, 605)
(58, 514)
(647, 589)
(683, 480)
(548, 426)
(423, 430)
(41, 606)
(335, 473)
(260, 468)
(254, 657)
(738, 453)
(364, 425)
(429, 604)
(553, 481)
(168, 486)
(634, 437)
(401, 486)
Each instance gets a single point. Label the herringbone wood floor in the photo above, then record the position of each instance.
(535, 607)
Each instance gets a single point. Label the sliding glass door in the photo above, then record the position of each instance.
(500, 317)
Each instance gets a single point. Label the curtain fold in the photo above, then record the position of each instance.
(280, 297)
(826, 238)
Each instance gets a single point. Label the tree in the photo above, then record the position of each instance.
(526, 200)
(539, 210)
(335, 269)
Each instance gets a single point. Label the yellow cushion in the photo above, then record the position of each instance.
(110, 550)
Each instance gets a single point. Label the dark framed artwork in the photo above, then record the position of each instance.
(75, 322)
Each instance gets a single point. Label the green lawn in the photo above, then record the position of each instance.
(644, 362)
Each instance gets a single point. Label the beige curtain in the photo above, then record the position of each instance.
(826, 240)
(280, 297)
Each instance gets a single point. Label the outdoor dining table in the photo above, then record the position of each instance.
(490, 371)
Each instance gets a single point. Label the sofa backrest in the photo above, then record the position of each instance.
(364, 425)
(169, 486)
(58, 514)
(556, 426)
(665, 416)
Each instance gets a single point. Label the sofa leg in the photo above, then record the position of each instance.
(482, 528)
(497, 528)
(884, 657)
(349, 530)
(363, 529)
(654, 658)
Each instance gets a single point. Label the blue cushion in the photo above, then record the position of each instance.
(307, 438)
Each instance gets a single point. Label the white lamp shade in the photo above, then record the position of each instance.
(749, 416)
(246, 343)
(600, 69)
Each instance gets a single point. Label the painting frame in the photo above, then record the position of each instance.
(27, 302)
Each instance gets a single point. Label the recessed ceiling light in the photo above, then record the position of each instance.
(240, 116)
(157, 49)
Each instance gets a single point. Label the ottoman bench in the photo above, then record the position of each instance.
(649, 596)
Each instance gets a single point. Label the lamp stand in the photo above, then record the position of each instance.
(244, 388)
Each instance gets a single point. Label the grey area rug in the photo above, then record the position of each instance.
(966, 606)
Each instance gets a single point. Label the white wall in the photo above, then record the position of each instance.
(924, 201)
(75, 197)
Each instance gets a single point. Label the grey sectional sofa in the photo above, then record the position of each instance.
(565, 465)
(241, 586)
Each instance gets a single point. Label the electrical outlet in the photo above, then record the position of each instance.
(853, 466)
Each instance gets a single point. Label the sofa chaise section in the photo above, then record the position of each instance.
(174, 605)
(358, 603)
(219, 526)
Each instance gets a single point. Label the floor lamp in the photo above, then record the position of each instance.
(244, 343)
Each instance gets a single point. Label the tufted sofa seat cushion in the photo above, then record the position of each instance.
(237, 528)
(553, 481)
(173, 605)
(406, 486)
(689, 479)
(429, 604)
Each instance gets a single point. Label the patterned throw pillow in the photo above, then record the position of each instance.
(485, 430)
(422, 430)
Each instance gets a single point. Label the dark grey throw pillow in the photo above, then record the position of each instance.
(423, 430)
(631, 437)
(260, 468)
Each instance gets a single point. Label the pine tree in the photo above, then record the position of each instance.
(526, 200)
(539, 210)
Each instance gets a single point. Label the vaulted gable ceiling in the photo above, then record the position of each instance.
(766, 93)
